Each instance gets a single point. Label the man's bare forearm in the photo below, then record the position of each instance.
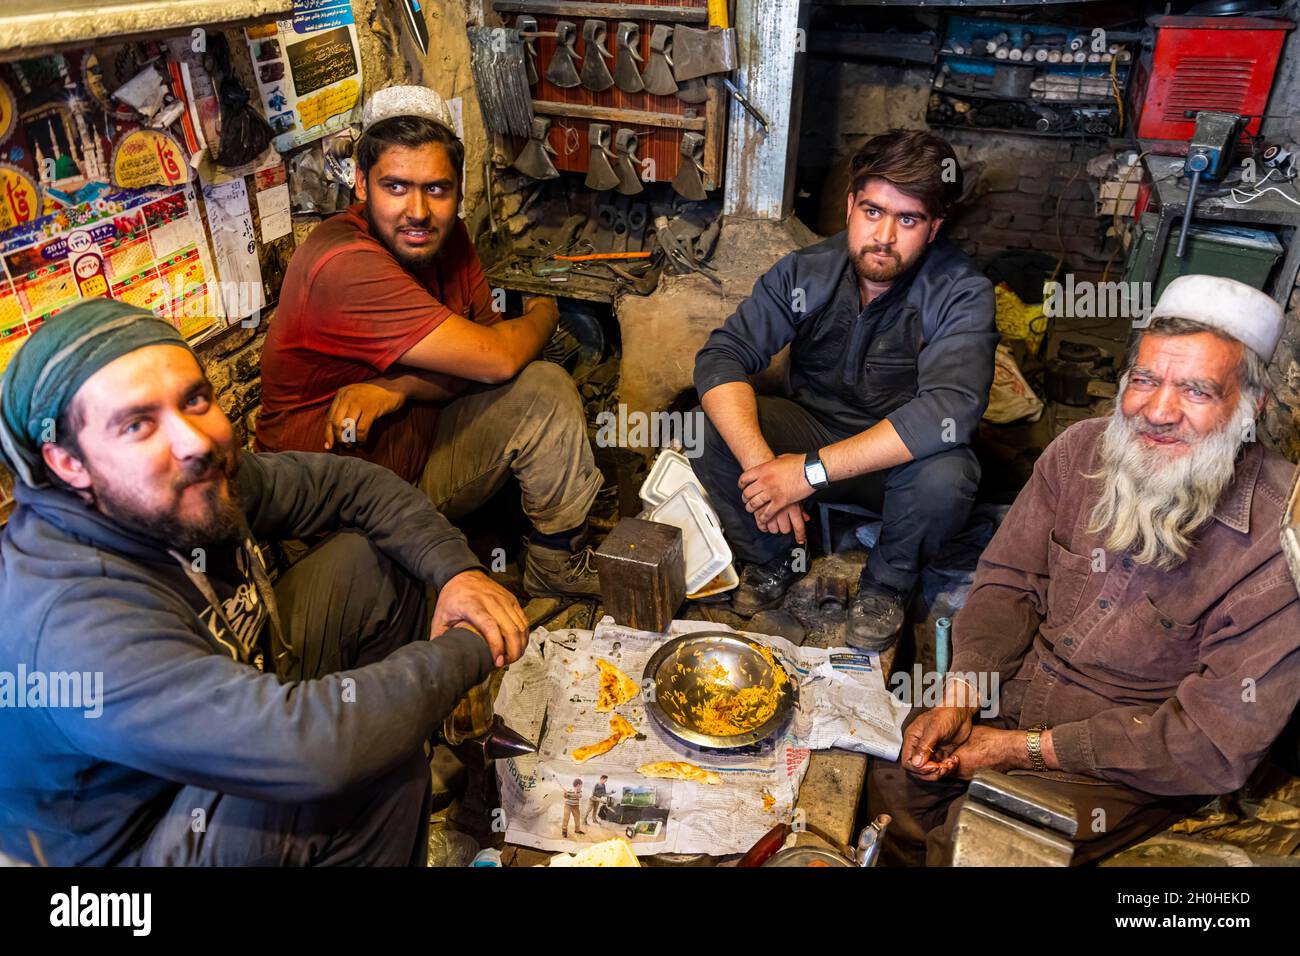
(733, 409)
(488, 352)
(421, 386)
(528, 334)
(875, 449)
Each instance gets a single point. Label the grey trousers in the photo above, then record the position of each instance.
(343, 605)
(532, 427)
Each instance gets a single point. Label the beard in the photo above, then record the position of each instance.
(221, 519)
(1152, 504)
(412, 261)
(873, 271)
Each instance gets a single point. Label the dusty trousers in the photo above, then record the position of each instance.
(343, 605)
(532, 427)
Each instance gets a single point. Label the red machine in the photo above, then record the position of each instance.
(1205, 63)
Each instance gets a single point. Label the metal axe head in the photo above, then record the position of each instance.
(563, 71)
(600, 174)
(595, 74)
(693, 91)
(534, 159)
(629, 180)
(658, 76)
(689, 182)
(627, 56)
(702, 52)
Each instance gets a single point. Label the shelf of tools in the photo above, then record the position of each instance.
(1036, 79)
(628, 100)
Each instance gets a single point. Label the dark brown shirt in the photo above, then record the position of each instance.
(1171, 682)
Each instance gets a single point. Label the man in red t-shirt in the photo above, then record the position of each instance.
(385, 345)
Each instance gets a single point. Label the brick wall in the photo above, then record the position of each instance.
(1026, 186)
(1020, 177)
(233, 363)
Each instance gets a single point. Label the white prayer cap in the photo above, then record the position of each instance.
(406, 101)
(1250, 316)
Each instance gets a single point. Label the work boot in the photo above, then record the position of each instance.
(558, 571)
(763, 586)
(875, 615)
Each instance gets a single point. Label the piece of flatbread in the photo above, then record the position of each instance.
(678, 770)
(620, 730)
(616, 688)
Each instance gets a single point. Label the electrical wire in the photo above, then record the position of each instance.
(571, 140)
(1114, 216)
(1060, 239)
(1114, 87)
(1258, 190)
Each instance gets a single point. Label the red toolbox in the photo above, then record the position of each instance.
(1205, 63)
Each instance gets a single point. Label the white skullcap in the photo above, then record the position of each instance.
(1250, 316)
(406, 101)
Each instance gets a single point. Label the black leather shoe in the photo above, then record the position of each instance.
(762, 586)
(875, 615)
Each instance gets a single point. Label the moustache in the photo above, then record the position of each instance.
(879, 250)
(208, 468)
(1141, 426)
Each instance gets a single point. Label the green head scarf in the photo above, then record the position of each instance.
(55, 362)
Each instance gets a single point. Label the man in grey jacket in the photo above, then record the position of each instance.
(892, 337)
(166, 704)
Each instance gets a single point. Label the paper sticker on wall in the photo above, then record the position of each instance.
(87, 265)
(141, 247)
(273, 203)
(20, 199)
(8, 110)
(308, 71)
(234, 244)
(149, 157)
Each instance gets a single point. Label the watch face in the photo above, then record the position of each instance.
(816, 473)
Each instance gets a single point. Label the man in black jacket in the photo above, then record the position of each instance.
(892, 336)
(173, 706)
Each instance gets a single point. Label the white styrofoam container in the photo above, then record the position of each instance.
(670, 471)
(727, 580)
(704, 549)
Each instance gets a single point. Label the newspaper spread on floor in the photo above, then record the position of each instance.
(555, 803)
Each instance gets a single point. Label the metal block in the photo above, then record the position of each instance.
(987, 837)
(642, 573)
(1019, 797)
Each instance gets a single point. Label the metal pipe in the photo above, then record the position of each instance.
(1187, 213)
(942, 644)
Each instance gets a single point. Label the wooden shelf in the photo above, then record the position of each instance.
(614, 114)
(36, 27)
(604, 11)
(587, 288)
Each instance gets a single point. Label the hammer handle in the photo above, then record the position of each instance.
(605, 255)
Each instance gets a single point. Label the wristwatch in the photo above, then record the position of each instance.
(815, 472)
(1034, 744)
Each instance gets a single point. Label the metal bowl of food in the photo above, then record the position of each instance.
(718, 690)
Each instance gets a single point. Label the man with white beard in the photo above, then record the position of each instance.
(1135, 604)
